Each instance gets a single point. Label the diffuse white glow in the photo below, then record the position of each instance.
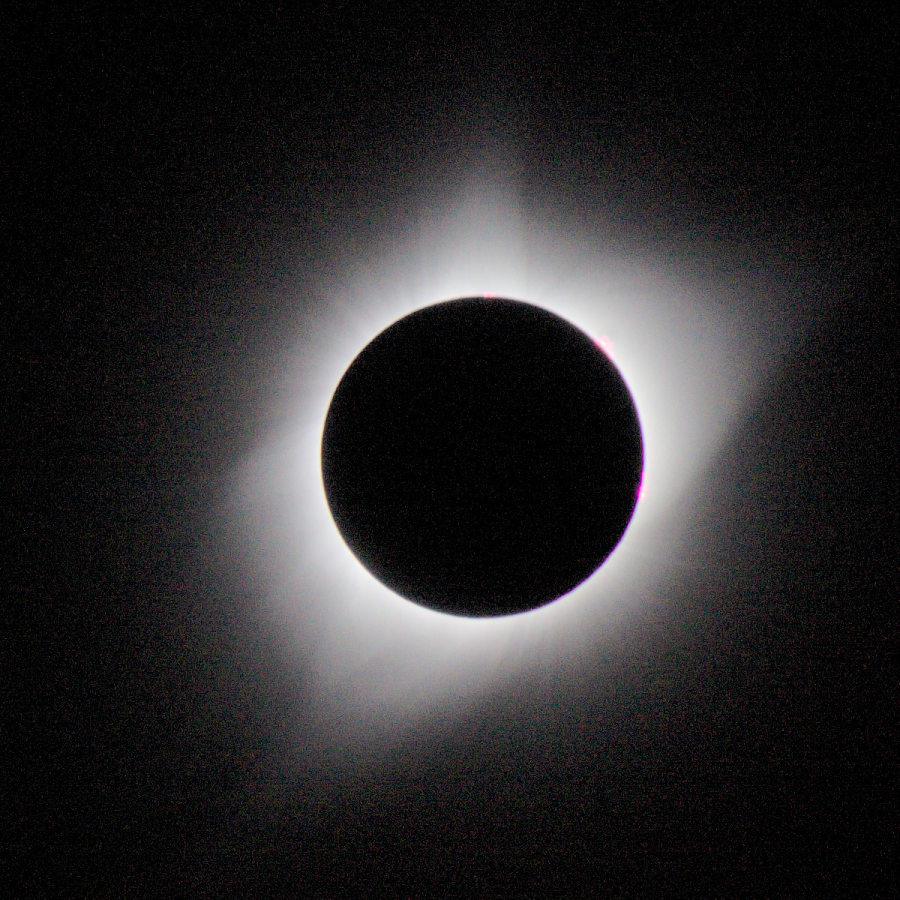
(381, 663)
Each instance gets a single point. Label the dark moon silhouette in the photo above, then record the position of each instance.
(481, 456)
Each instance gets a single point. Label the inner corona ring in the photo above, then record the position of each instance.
(481, 456)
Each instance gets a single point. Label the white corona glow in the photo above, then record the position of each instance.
(381, 664)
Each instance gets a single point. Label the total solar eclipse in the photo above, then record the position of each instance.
(481, 456)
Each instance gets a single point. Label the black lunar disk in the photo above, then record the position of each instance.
(481, 456)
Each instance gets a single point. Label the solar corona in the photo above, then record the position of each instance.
(456, 492)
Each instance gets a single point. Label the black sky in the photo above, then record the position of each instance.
(164, 170)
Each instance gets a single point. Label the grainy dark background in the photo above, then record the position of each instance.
(154, 160)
